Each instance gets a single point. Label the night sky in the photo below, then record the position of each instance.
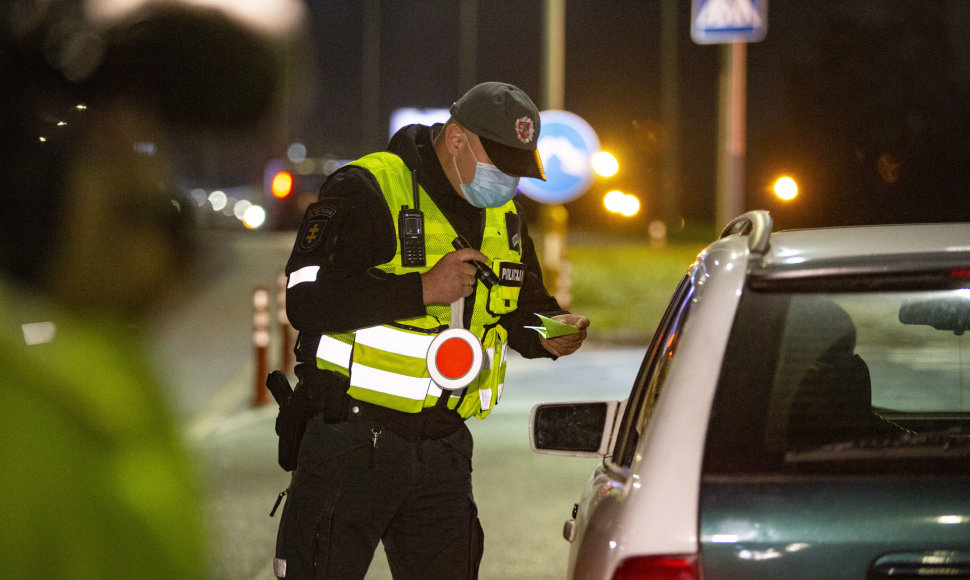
(864, 102)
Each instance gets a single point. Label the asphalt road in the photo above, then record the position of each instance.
(204, 351)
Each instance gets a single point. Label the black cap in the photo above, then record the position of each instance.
(507, 123)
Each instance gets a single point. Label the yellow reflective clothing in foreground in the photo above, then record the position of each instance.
(96, 483)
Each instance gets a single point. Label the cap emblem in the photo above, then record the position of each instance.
(525, 129)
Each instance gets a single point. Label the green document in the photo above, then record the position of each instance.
(552, 328)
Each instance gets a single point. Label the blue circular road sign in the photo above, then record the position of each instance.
(566, 144)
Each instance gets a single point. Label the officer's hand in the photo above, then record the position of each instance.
(452, 277)
(570, 343)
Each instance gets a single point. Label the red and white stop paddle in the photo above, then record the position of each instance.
(455, 356)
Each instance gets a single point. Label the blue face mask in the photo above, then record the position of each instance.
(490, 187)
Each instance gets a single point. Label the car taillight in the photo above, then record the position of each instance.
(658, 568)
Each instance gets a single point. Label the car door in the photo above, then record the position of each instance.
(593, 530)
(839, 440)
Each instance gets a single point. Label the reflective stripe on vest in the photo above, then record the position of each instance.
(333, 352)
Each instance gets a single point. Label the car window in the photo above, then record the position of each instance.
(845, 382)
(653, 373)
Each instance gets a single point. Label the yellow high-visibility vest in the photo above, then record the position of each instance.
(386, 364)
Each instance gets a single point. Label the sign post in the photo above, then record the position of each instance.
(731, 23)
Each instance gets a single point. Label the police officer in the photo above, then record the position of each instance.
(386, 455)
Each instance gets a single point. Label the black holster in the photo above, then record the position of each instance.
(316, 392)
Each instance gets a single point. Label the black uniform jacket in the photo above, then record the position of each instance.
(353, 231)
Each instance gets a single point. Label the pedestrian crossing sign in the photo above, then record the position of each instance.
(725, 21)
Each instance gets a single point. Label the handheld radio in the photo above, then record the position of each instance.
(410, 225)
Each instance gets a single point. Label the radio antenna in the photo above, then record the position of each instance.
(414, 188)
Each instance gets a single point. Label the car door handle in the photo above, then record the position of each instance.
(928, 564)
(569, 528)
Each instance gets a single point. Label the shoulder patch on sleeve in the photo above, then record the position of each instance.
(314, 228)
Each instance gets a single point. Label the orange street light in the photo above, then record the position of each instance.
(622, 203)
(786, 188)
(605, 164)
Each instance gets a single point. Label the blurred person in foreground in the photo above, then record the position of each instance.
(386, 455)
(96, 482)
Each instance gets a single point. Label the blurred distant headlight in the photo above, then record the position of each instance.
(218, 199)
(240, 208)
(254, 217)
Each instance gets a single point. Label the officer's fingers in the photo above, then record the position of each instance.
(440, 285)
(467, 270)
(478, 257)
(457, 262)
(575, 340)
(570, 340)
(450, 265)
(451, 278)
(466, 254)
(552, 346)
(577, 320)
(564, 345)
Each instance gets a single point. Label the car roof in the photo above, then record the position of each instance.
(849, 250)
(867, 243)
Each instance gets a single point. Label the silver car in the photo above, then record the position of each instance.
(803, 411)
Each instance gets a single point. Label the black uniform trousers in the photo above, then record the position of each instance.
(348, 494)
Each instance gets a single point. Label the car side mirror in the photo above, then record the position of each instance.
(576, 429)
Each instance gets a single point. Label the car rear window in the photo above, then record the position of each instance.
(845, 382)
